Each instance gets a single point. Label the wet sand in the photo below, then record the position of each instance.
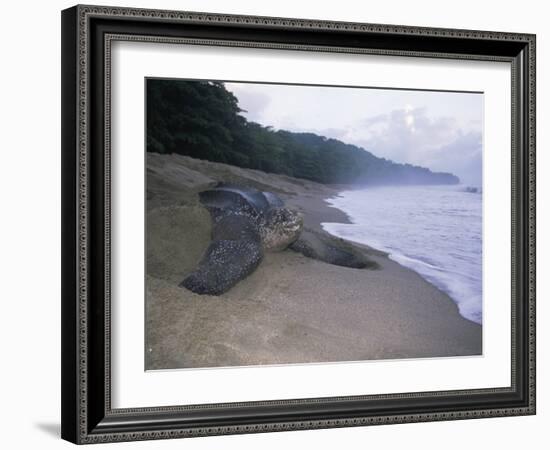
(292, 309)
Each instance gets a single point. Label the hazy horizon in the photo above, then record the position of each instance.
(438, 130)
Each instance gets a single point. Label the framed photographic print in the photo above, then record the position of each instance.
(277, 224)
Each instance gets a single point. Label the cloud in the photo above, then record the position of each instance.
(463, 157)
(409, 135)
(253, 102)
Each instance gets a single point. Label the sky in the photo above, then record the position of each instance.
(438, 130)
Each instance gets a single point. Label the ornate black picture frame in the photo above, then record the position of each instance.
(87, 34)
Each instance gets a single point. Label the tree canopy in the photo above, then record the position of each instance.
(202, 119)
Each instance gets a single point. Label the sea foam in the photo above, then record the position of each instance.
(434, 230)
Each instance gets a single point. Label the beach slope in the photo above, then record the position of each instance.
(292, 309)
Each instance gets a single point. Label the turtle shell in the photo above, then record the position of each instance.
(229, 198)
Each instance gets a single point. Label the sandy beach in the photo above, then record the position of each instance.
(292, 309)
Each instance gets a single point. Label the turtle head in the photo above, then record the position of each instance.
(281, 227)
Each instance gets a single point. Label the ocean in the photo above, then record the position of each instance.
(434, 230)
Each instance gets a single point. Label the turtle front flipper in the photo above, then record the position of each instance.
(324, 247)
(223, 265)
(233, 254)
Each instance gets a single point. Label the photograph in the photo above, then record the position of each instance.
(299, 224)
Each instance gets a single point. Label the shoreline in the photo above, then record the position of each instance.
(292, 309)
(430, 266)
(322, 208)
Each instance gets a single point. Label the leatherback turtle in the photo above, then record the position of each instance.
(246, 222)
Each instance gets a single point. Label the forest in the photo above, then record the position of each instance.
(202, 119)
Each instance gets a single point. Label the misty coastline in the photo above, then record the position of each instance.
(204, 120)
